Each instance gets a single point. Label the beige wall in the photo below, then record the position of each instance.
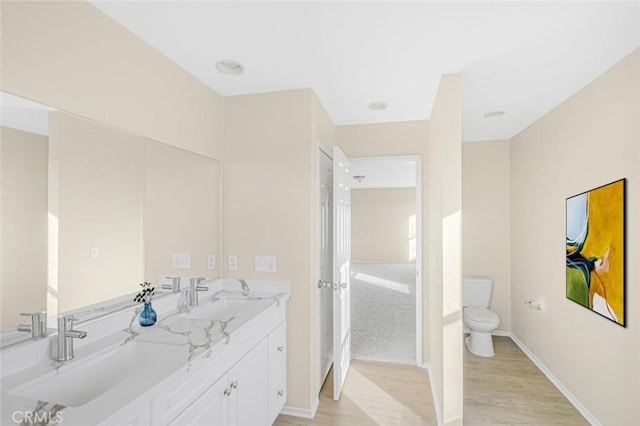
(322, 128)
(96, 176)
(380, 224)
(383, 139)
(71, 56)
(268, 207)
(443, 204)
(589, 140)
(181, 211)
(485, 220)
(23, 215)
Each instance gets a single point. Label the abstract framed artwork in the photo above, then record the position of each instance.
(595, 264)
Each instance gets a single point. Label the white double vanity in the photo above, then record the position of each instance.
(222, 362)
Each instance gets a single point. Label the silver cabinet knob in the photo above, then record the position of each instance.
(234, 384)
(280, 348)
(227, 392)
(280, 393)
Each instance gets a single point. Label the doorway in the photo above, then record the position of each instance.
(386, 293)
(406, 278)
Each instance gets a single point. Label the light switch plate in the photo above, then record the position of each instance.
(233, 263)
(181, 260)
(94, 252)
(211, 261)
(265, 263)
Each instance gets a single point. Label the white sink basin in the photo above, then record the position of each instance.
(227, 307)
(80, 382)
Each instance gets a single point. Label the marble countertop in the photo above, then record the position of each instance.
(179, 342)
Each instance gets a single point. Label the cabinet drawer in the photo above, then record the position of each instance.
(278, 350)
(277, 396)
(179, 395)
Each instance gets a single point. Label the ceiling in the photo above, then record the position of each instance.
(520, 58)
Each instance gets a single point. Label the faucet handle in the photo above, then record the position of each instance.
(194, 284)
(174, 286)
(38, 326)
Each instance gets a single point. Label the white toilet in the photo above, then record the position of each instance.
(476, 295)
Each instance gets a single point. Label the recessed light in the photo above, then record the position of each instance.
(229, 66)
(493, 114)
(359, 178)
(378, 106)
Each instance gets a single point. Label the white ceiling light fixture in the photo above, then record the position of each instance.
(229, 66)
(493, 114)
(378, 106)
(359, 178)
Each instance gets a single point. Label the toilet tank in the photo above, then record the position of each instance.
(476, 291)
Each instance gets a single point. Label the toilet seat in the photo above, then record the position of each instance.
(480, 314)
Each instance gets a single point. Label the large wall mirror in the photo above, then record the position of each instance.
(88, 211)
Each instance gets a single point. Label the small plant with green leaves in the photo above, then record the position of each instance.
(145, 295)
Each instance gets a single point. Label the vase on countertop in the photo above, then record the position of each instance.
(148, 315)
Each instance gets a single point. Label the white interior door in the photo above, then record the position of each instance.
(341, 269)
(325, 294)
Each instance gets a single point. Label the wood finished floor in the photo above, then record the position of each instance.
(374, 393)
(507, 389)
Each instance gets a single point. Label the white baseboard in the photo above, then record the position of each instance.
(558, 384)
(434, 395)
(302, 412)
(502, 333)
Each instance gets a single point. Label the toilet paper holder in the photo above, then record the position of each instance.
(532, 305)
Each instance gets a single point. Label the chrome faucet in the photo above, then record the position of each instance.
(245, 287)
(38, 326)
(174, 286)
(194, 288)
(66, 334)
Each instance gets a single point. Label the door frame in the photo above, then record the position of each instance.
(419, 280)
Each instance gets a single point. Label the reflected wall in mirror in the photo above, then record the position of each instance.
(96, 179)
(181, 210)
(113, 206)
(23, 208)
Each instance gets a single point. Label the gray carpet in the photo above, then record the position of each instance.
(383, 312)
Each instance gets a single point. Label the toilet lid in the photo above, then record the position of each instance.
(477, 313)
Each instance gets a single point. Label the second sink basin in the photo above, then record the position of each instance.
(80, 382)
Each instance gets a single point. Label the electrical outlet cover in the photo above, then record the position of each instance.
(265, 263)
(181, 260)
(233, 263)
(211, 261)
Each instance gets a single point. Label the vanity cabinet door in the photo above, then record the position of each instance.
(277, 370)
(249, 383)
(211, 408)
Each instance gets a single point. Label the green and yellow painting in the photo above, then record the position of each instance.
(596, 250)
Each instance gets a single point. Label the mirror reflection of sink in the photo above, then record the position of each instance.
(76, 384)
